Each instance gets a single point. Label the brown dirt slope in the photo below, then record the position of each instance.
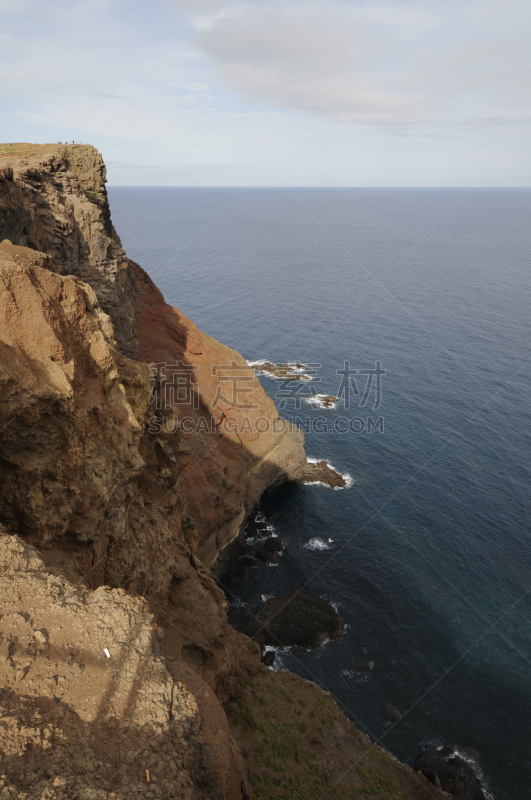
(76, 723)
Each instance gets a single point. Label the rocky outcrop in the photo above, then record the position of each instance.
(319, 472)
(53, 199)
(452, 773)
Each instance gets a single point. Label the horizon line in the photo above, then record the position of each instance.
(241, 187)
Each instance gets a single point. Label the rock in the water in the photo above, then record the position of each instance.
(268, 658)
(254, 529)
(392, 713)
(299, 618)
(266, 557)
(282, 371)
(244, 566)
(366, 664)
(274, 545)
(450, 772)
(320, 472)
(327, 400)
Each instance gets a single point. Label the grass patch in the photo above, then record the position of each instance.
(92, 196)
(376, 783)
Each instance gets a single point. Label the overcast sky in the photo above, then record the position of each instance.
(276, 92)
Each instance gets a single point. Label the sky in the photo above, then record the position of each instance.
(276, 92)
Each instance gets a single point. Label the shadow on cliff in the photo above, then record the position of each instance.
(114, 754)
(218, 453)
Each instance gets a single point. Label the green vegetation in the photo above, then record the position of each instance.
(290, 731)
(277, 742)
(92, 196)
(376, 782)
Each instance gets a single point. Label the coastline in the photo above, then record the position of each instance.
(111, 622)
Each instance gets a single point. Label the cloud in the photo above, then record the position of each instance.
(316, 64)
(379, 64)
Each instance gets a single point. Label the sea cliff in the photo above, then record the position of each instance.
(119, 674)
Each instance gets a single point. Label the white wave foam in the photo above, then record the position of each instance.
(278, 664)
(318, 544)
(349, 481)
(477, 769)
(297, 366)
(257, 363)
(434, 743)
(260, 362)
(359, 677)
(319, 401)
(270, 526)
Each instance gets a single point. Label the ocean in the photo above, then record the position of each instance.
(427, 553)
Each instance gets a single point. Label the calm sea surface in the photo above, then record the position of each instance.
(430, 563)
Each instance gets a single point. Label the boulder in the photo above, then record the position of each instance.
(392, 713)
(319, 472)
(244, 566)
(299, 618)
(268, 658)
(274, 545)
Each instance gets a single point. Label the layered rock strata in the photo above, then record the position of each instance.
(53, 199)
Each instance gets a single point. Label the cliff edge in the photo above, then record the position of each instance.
(133, 447)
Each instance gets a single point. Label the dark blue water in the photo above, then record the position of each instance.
(431, 560)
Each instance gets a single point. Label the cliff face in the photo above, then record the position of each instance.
(84, 445)
(236, 446)
(53, 199)
(98, 471)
